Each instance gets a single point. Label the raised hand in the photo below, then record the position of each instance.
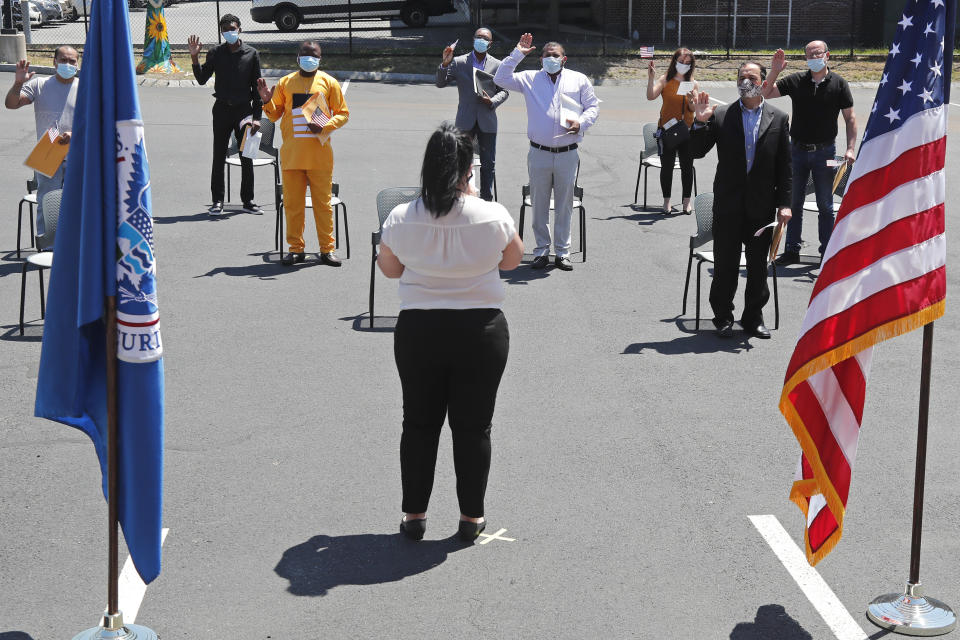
(651, 70)
(779, 62)
(23, 72)
(526, 44)
(195, 46)
(702, 106)
(447, 56)
(266, 93)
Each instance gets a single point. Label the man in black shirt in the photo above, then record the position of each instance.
(237, 69)
(818, 96)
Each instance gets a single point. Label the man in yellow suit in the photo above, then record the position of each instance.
(304, 158)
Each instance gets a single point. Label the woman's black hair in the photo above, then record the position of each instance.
(447, 160)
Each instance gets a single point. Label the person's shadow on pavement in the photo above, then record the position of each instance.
(324, 562)
(771, 621)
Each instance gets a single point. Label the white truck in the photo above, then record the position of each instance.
(290, 14)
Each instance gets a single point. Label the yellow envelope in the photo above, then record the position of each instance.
(47, 155)
(314, 102)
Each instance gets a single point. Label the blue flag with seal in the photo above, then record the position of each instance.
(104, 247)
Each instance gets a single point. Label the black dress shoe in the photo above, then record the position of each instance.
(725, 328)
(759, 331)
(540, 262)
(563, 263)
(468, 531)
(414, 529)
(330, 259)
(787, 257)
(292, 258)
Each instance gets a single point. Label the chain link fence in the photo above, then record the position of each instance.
(590, 27)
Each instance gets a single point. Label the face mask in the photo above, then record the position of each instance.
(551, 64)
(816, 64)
(231, 36)
(66, 71)
(308, 63)
(682, 68)
(748, 89)
(480, 45)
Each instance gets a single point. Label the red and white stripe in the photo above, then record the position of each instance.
(883, 274)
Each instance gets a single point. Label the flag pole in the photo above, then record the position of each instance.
(911, 613)
(112, 626)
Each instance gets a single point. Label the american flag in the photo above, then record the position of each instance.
(646, 52)
(320, 118)
(883, 270)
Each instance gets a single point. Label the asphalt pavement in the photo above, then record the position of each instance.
(629, 449)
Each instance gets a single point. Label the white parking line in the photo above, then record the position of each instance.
(718, 101)
(131, 588)
(345, 86)
(955, 104)
(819, 593)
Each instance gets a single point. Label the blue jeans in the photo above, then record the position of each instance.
(805, 162)
(487, 143)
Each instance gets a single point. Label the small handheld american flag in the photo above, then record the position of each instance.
(320, 118)
(646, 52)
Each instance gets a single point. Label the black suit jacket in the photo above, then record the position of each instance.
(754, 196)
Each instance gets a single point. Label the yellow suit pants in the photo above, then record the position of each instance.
(294, 205)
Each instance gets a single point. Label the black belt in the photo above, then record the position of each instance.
(812, 147)
(569, 147)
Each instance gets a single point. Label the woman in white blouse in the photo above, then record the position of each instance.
(451, 340)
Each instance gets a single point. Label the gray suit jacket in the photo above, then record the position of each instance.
(471, 109)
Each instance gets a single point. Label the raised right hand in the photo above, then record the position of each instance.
(526, 44)
(23, 72)
(447, 56)
(702, 106)
(266, 93)
(779, 62)
(195, 46)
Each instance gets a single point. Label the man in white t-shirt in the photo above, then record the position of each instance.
(53, 99)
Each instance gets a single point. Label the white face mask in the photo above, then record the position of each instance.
(551, 64)
(682, 68)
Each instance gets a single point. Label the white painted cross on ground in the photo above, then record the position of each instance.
(495, 536)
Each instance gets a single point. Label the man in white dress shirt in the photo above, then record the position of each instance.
(561, 106)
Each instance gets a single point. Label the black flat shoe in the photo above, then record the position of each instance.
(293, 258)
(414, 529)
(468, 531)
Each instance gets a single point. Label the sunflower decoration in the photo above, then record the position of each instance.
(157, 28)
(156, 45)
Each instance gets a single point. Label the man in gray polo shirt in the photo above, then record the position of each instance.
(53, 99)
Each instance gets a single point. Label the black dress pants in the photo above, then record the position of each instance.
(450, 364)
(731, 235)
(668, 159)
(226, 122)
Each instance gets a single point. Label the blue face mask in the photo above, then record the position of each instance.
(231, 36)
(66, 71)
(551, 64)
(816, 64)
(480, 45)
(308, 63)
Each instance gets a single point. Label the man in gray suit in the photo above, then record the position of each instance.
(476, 113)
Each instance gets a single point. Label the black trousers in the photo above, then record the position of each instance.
(450, 364)
(226, 122)
(731, 235)
(487, 150)
(667, 160)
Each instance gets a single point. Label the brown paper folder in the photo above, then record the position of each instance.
(47, 155)
(775, 243)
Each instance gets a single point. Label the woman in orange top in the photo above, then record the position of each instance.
(675, 106)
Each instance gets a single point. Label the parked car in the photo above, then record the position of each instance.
(36, 14)
(51, 10)
(290, 14)
(70, 10)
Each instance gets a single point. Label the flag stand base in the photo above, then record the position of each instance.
(911, 613)
(112, 628)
